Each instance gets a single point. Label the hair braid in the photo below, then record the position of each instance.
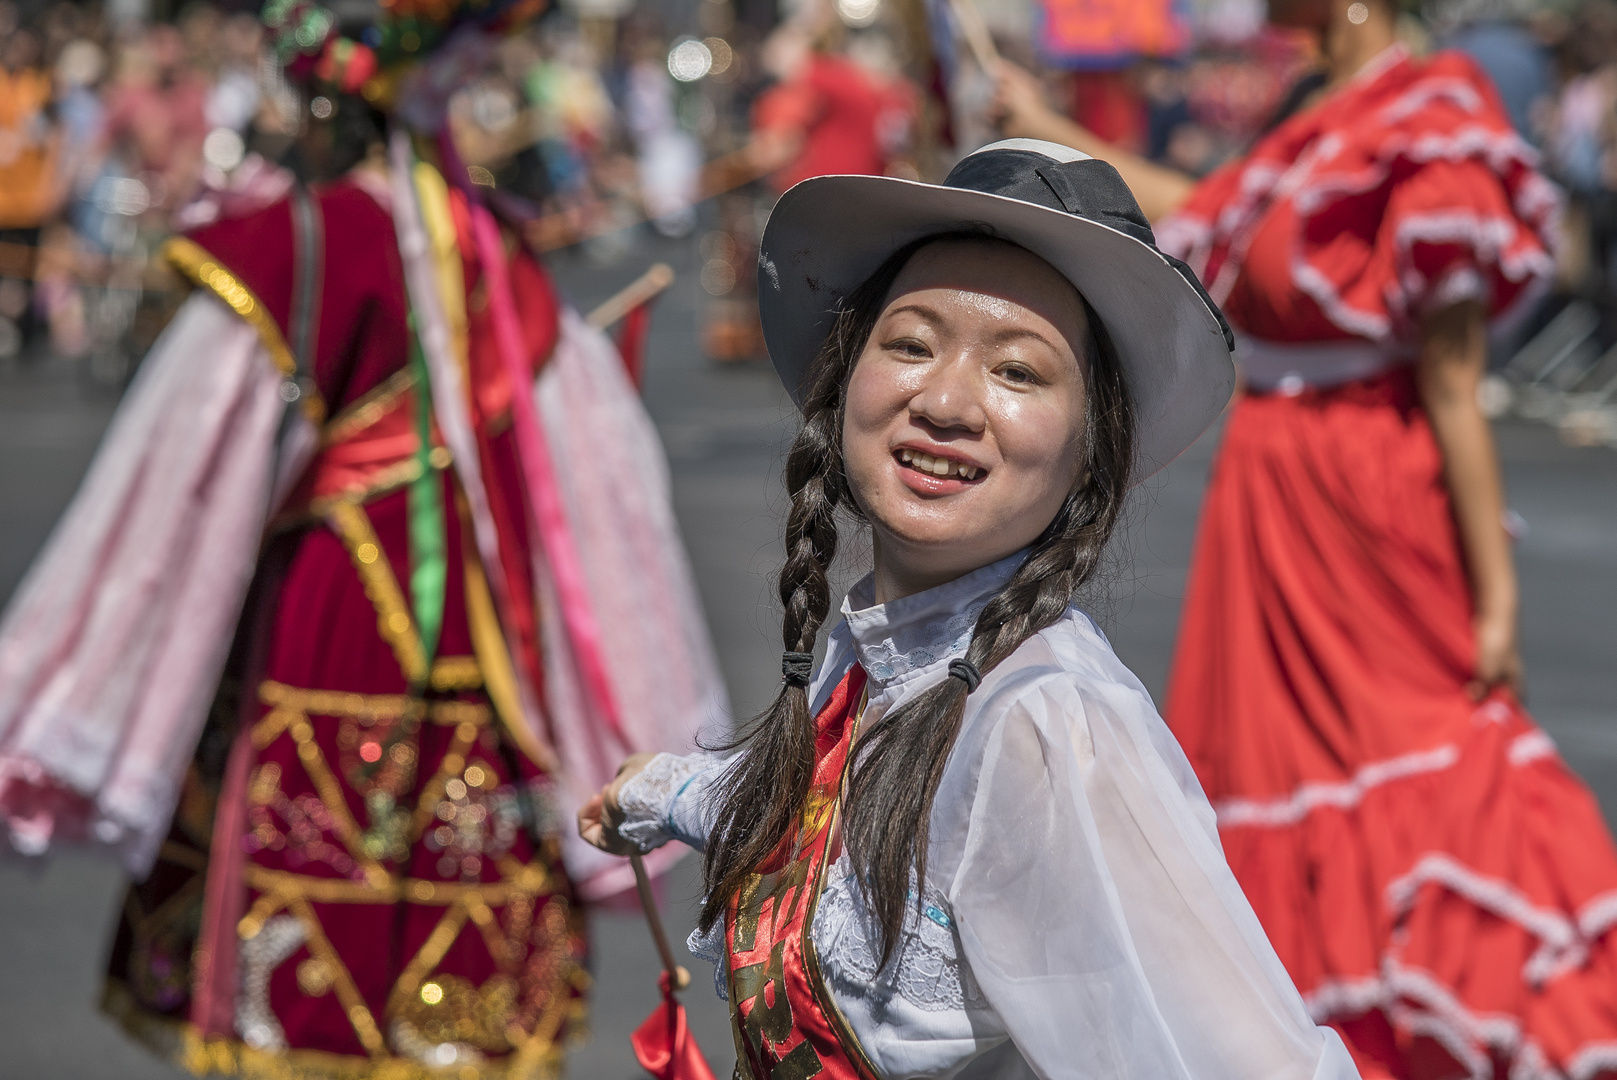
(760, 796)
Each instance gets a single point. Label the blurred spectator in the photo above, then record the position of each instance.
(1582, 146)
(27, 148)
(669, 157)
(157, 115)
(1493, 34)
(828, 114)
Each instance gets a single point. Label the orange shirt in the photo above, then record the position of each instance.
(26, 148)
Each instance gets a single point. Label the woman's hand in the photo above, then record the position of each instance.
(598, 819)
(1499, 662)
(1021, 112)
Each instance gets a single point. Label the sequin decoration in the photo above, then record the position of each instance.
(378, 758)
(298, 826)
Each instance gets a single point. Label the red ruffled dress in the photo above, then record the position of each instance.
(1439, 884)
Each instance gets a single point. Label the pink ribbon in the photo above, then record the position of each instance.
(550, 515)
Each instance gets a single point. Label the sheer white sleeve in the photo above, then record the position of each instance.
(667, 800)
(1094, 904)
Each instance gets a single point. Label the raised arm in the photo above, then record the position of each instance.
(1023, 113)
(1453, 355)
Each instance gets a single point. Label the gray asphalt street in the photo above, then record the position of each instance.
(725, 429)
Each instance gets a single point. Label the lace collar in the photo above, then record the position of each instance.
(915, 633)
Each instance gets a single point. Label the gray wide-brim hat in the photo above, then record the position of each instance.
(828, 234)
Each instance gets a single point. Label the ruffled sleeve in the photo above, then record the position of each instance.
(1405, 190)
(1097, 912)
(667, 800)
(1453, 232)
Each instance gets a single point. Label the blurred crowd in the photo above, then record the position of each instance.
(116, 131)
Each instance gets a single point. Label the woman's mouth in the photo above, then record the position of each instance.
(933, 474)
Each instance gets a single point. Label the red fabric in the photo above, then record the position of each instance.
(1404, 190)
(363, 336)
(782, 1009)
(664, 1045)
(841, 114)
(1440, 886)
(631, 342)
(1109, 104)
(322, 634)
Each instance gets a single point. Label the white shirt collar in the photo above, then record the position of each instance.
(900, 640)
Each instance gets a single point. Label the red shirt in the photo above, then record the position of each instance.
(845, 116)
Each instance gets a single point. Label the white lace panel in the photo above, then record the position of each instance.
(648, 797)
(927, 971)
(919, 646)
(711, 947)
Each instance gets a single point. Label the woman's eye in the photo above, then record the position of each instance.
(907, 347)
(1020, 376)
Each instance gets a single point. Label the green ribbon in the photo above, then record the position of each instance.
(429, 555)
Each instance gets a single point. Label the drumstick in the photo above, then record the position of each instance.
(678, 977)
(978, 39)
(631, 296)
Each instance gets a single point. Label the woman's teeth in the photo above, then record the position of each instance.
(937, 466)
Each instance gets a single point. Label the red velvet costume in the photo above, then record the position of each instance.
(1439, 885)
(361, 882)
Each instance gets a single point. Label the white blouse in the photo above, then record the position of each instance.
(1078, 918)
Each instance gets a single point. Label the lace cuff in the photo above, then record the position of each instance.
(650, 801)
(710, 946)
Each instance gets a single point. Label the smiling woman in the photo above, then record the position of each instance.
(967, 846)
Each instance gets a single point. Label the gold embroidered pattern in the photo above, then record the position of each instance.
(529, 879)
(210, 1055)
(393, 621)
(331, 793)
(199, 267)
(292, 699)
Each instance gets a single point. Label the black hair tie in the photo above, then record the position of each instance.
(797, 668)
(966, 672)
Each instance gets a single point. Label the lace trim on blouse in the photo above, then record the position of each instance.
(927, 971)
(887, 660)
(648, 798)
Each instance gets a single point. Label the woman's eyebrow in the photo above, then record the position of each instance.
(920, 309)
(1010, 332)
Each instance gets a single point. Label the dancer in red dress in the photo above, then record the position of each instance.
(1438, 883)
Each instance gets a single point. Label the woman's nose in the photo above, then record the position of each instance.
(951, 395)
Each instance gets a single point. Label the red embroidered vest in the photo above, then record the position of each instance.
(786, 1025)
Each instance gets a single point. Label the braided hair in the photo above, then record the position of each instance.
(899, 764)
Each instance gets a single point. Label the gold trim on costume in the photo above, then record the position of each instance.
(368, 408)
(384, 481)
(454, 673)
(811, 958)
(342, 984)
(205, 1055)
(393, 620)
(529, 879)
(372, 707)
(199, 267)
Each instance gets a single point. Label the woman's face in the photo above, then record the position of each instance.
(965, 411)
